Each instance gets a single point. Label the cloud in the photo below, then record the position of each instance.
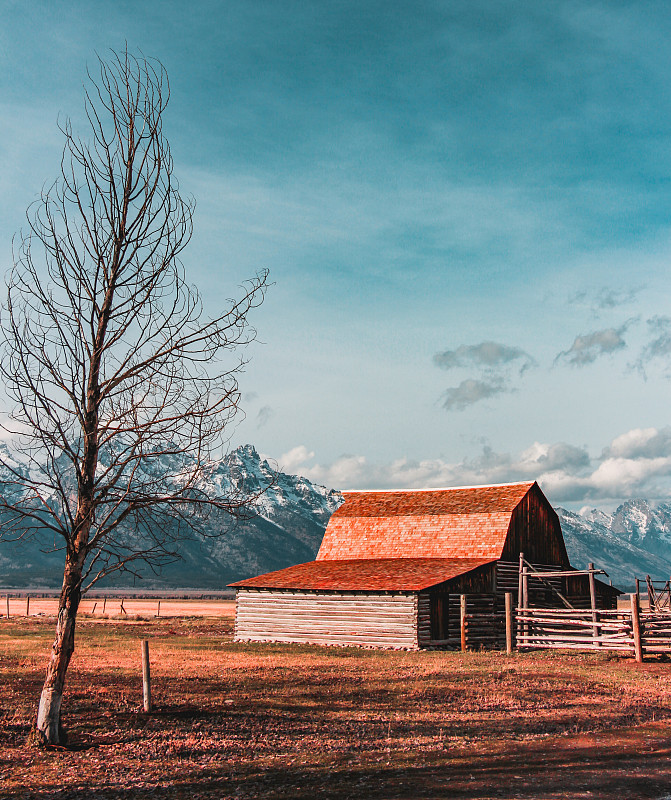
(493, 361)
(485, 354)
(265, 414)
(637, 463)
(588, 347)
(295, 458)
(605, 299)
(612, 298)
(471, 391)
(660, 346)
(640, 443)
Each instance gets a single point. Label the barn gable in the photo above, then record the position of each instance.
(535, 530)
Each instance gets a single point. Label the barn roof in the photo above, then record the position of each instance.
(380, 574)
(461, 523)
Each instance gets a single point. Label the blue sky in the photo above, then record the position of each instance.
(464, 206)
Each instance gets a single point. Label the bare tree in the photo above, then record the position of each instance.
(114, 372)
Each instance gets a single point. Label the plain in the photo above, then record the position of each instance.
(234, 720)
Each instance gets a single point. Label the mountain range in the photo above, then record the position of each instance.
(290, 520)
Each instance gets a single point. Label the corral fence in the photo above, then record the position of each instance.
(634, 631)
(627, 631)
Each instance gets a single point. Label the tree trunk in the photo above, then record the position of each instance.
(49, 729)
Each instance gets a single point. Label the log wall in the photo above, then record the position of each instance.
(340, 618)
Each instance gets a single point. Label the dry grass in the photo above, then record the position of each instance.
(282, 721)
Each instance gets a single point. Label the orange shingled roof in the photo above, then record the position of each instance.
(380, 574)
(461, 523)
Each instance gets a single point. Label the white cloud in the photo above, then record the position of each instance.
(295, 459)
(470, 391)
(660, 345)
(493, 360)
(485, 354)
(640, 443)
(635, 464)
(588, 347)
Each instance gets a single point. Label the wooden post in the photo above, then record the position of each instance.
(525, 595)
(651, 595)
(592, 602)
(636, 628)
(638, 591)
(462, 619)
(122, 610)
(7, 599)
(146, 677)
(94, 609)
(519, 593)
(27, 605)
(104, 604)
(158, 610)
(509, 622)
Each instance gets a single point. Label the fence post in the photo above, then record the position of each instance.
(636, 628)
(462, 620)
(146, 677)
(525, 597)
(509, 622)
(519, 593)
(592, 602)
(27, 605)
(7, 599)
(158, 609)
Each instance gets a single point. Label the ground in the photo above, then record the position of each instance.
(234, 720)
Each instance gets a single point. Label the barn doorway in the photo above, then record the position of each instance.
(440, 616)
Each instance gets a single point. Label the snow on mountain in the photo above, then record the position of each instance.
(289, 520)
(285, 527)
(634, 541)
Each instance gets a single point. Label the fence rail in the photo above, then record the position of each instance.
(625, 631)
(543, 629)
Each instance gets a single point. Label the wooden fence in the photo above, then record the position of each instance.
(625, 631)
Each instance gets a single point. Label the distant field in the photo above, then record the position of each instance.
(240, 721)
(46, 606)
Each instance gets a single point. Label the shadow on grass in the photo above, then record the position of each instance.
(633, 764)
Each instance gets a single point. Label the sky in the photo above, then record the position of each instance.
(464, 208)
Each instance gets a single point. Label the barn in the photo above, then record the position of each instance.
(393, 564)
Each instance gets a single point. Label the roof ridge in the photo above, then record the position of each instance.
(439, 488)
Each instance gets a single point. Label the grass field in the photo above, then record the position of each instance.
(286, 721)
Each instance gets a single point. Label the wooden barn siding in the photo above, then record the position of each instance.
(342, 618)
(479, 633)
(535, 530)
(577, 593)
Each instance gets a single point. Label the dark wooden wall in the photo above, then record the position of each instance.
(535, 530)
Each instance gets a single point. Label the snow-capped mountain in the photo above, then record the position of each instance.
(634, 541)
(286, 527)
(289, 522)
